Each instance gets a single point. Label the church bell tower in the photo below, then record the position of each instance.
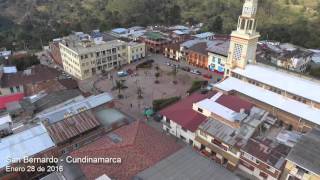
(243, 44)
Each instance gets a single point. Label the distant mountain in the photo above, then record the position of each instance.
(31, 22)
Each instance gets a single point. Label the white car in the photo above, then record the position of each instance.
(195, 71)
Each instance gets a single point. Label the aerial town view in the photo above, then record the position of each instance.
(159, 90)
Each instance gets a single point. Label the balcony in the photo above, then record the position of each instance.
(218, 150)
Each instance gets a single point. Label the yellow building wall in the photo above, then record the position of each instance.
(291, 169)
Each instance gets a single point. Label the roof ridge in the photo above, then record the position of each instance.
(117, 146)
(136, 131)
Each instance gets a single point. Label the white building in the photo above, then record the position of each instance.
(84, 56)
(280, 90)
(181, 121)
(136, 51)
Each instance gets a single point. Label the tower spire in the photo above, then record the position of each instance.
(244, 40)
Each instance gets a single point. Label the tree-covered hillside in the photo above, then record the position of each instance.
(30, 22)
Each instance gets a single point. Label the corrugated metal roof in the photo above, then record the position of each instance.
(73, 126)
(25, 143)
(204, 35)
(73, 109)
(10, 70)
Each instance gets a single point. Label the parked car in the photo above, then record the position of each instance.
(185, 68)
(122, 73)
(208, 76)
(195, 71)
(149, 61)
(146, 64)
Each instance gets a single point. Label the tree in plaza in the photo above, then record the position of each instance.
(139, 92)
(157, 68)
(119, 86)
(174, 74)
(157, 75)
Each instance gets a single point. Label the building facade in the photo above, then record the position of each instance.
(217, 57)
(198, 55)
(55, 51)
(155, 42)
(172, 51)
(136, 51)
(181, 121)
(83, 57)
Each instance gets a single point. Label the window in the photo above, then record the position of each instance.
(237, 52)
(264, 175)
(184, 129)
(11, 90)
(200, 110)
(249, 26)
(203, 134)
(167, 120)
(242, 24)
(271, 169)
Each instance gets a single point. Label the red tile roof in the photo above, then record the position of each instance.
(10, 98)
(200, 48)
(140, 148)
(183, 114)
(234, 103)
(35, 74)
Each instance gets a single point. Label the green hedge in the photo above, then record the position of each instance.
(145, 65)
(196, 85)
(159, 104)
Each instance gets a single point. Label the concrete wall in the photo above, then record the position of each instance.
(136, 52)
(86, 63)
(292, 169)
(11, 90)
(176, 130)
(213, 61)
